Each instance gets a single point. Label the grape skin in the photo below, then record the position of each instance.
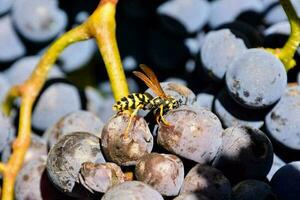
(283, 121)
(256, 79)
(219, 48)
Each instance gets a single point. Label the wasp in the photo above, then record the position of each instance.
(160, 104)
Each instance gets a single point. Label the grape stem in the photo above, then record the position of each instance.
(100, 25)
(287, 53)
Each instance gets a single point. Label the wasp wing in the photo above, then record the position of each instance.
(150, 74)
(148, 82)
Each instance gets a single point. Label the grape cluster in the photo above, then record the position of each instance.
(235, 135)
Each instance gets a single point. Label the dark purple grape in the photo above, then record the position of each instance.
(55, 101)
(218, 50)
(208, 181)
(253, 190)
(38, 20)
(20, 70)
(164, 172)
(285, 182)
(184, 17)
(178, 91)
(256, 78)
(100, 177)
(126, 151)
(205, 100)
(4, 87)
(77, 55)
(9, 41)
(233, 114)
(7, 131)
(5, 6)
(194, 133)
(224, 11)
(78, 121)
(192, 196)
(167, 52)
(66, 157)
(132, 190)
(28, 180)
(245, 153)
(283, 122)
(277, 163)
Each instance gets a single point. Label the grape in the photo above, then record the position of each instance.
(9, 41)
(224, 11)
(6, 131)
(208, 181)
(4, 87)
(256, 78)
(22, 69)
(167, 52)
(232, 114)
(100, 177)
(78, 121)
(132, 190)
(283, 122)
(194, 133)
(55, 101)
(37, 148)
(275, 15)
(282, 27)
(28, 180)
(286, 180)
(66, 156)
(191, 196)
(205, 100)
(5, 6)
(164, 172)
(194, 43)
(253, 190)
(178, 91)
(249, 34)
(245, 153)
(38, 20)
(187, 16)
(77, 55)
(126, 151)
(277, 163)
(218, 50)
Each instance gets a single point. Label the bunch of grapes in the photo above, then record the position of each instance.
(235, 134)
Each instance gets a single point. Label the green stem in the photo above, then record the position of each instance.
(103, 26)
(288, 51)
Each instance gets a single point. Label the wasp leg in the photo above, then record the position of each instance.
(132, 115)
(161, 117)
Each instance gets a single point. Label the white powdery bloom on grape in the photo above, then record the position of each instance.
(277, 164)
(57, 101)
(218, 50)
(77, 55)
(205, 100)
(22, 69)
(283, 121)
(129, 63)
(192, 14)
(5, 5)
(278, 28)
(256, 78)
(224, 11)
(6, 131)
(194, 44)
(38, 20)
(275, 15)
(10, 45)
(4, 87)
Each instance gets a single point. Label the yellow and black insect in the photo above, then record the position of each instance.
(136, 101)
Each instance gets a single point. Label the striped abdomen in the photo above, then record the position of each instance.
(132, 101)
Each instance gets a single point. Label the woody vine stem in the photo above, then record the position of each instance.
(101, 26)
